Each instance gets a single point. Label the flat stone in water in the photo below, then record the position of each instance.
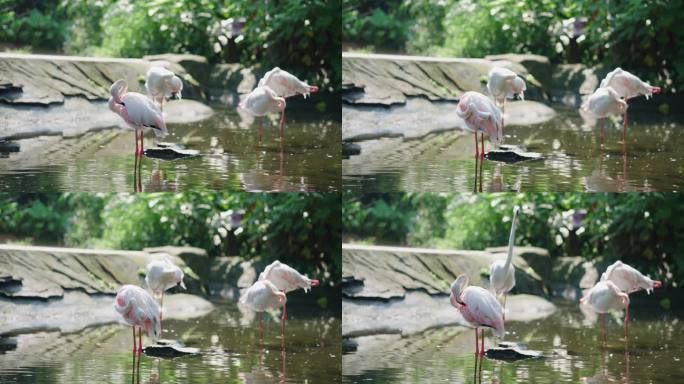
(508, 351)
(169, 348)
(350, 149)
(170, 151)
(7, 146)
(511, 154)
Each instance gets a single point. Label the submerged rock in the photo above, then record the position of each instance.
(169, 348)
(511, 154)
(508, 351)
(169, 151)
(7, 146)
(350, 149)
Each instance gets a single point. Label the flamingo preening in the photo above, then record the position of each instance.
(478, 307)
(139, 310)
(481, 115)
(138, 111)
(502, 272)
(161, 83)
(503, 83)
(283, 85)
(274, 282)
(628, 279)
(161, 275)
(604, 102)
(628, 86)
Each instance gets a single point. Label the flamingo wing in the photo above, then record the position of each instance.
(143, 113)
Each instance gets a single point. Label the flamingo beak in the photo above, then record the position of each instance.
(315, 283)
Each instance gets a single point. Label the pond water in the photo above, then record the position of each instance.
(234, 351)
(572, 344)
(651, 160)
(232, 158)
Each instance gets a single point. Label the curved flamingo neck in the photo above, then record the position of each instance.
(511, 241)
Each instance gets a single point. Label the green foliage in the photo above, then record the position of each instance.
(302, 230)
(302, 37)
(641, 36)
(640, 229)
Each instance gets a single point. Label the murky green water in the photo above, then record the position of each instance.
(571, 343)
(652, 160)
(232, 158)
(233, 351)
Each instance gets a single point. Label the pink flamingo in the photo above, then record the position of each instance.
(264, 295)
(480, 114)
(140, 310)
(503, 83)
(138, 112)
(602, 103)
(161, 83)
(479, 307)
(285, 85)
(161, 275)
(628, 86)
(605, 297)
(628, 279)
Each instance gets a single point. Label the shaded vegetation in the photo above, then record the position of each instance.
(640, 229)
(641, 36)
(301, 36)
(302, 230)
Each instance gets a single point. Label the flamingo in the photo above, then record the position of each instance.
(604, 102)
(286, 279)
(502, 272)
(605, 297)
(628, 86)
(628, 279)
(138, 112)
(479, 307)
(262, 101)
(138, 309)
(263, 295)
(480, 114)
(503, 83)
(162, 83)
(285, 85)
(162, 275)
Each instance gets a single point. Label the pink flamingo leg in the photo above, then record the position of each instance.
(482, 153)
(136, 143)
(282, 124)
(477, 347)
(624, 125)
(134, 349)
(142, 133)
(282, 322)
(482, 350)
(626, 322)
(140, 340)
(477, 148)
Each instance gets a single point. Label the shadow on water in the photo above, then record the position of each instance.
(651, 160)
(233, 158)
(571, 342)
(233, 351)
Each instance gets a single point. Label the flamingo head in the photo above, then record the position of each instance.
(153, 327)
(176, 86)
(118, 89)
(457, 287)
(519, 87)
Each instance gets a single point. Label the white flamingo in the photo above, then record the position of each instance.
(138, 309)
(264, 295)
(628, 86)
(604, 102)
(605, 297)
(161, 275)
(138, 111)
(285, 85)
(503, 83)
(162, 83)
(628, 279)
(263, 101)
(478, 307)
(502, 272)
(481, 115)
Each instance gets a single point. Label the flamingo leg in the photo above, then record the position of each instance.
(282, 124)
(624, 124)
(477, 148)
(482, 153)
(477, 347)
(603, 326)
(142, 133)
(139, 340)
(134, 349)
(626, 322)
(282, 321)
(482, 350)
